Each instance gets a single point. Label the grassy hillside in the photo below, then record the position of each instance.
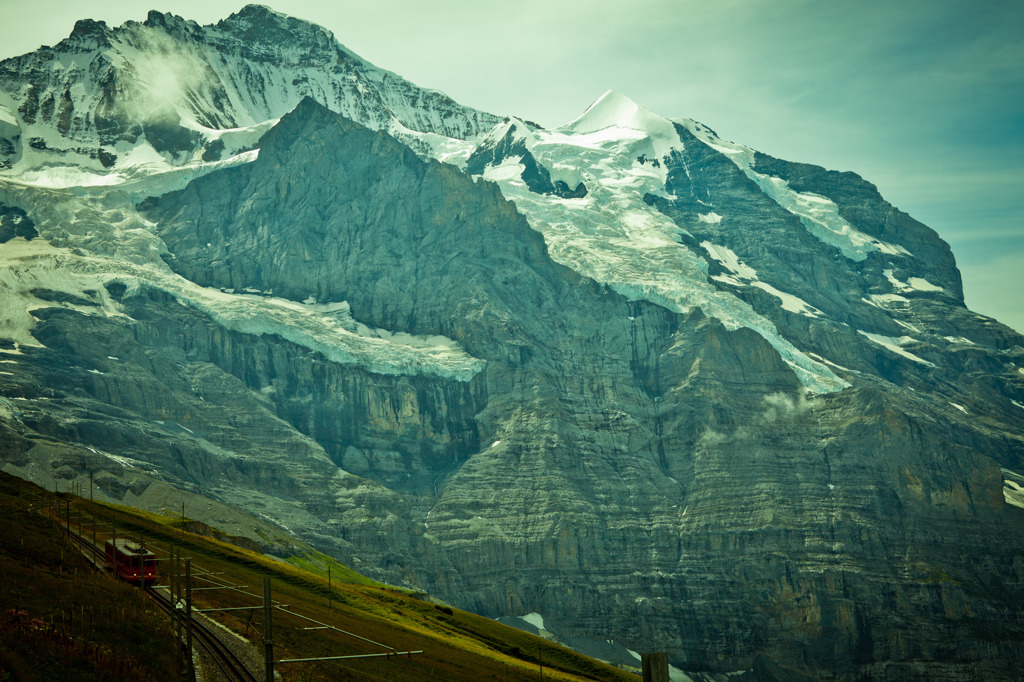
(60, 620)
(456, 645)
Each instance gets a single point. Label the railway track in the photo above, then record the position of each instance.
(233, 668)
(230, 665)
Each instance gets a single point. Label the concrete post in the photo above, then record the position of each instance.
(655, 667)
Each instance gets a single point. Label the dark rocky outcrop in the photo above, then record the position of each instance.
(14, 222)
(512, 145)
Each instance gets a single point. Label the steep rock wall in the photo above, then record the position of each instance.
(634, 464)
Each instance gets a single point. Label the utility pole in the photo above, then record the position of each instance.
(330, 594)
(188, 621)
(268, 632)
(175, 572)
(142, 560)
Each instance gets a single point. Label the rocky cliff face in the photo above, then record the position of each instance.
(712, 403)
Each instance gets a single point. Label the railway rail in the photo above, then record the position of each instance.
(223, 656)
(226, 660)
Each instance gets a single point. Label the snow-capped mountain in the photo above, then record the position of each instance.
(167, 92)
(621, 377)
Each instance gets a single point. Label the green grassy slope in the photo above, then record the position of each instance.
(456, 645)
(60, 620)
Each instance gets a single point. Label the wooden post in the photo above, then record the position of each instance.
(655, 667)
(330, 595)
(188, 619)
(268, 632)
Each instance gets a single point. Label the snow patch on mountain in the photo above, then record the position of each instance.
(743, 274)
(818, 214)
(887, 301)
(895, 345)
(729, 260)
(27, 266)
(912, 283)
(8, 122)
(141, 175)
(508, 171)
(534, 619)
(613, 236)
(331, 331)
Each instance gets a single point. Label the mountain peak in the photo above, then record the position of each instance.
(616, 117)
(262, 13)
(262, 24)
(308, 109)
(615, 110)
(610, 109)
(89, 27)
(166, 20)
(87, 34)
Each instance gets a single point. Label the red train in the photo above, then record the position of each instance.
(130, 561)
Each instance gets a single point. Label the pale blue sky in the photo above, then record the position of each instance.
(924, 98)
